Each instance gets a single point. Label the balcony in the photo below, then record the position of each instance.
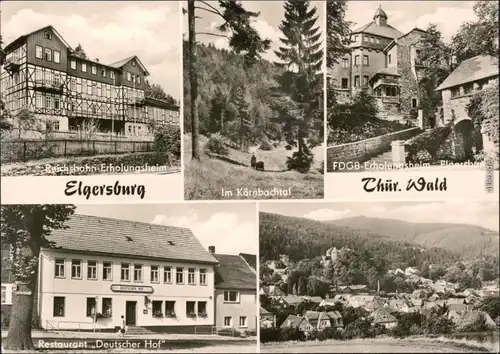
(388, 99)
(48, 85)
(136, 101)
(12, 65)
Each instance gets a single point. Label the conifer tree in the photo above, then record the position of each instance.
(243, 39)
(241, 127)
(217, 111)
(301, 54)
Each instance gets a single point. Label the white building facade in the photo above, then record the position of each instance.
(89, 290)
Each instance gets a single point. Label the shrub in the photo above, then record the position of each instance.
(329, 333)
(300, 163)
(216, 145)
(429, 141)
(168, 140)
(272, 334)
(292, 334)
(265, 145)
(321, 168)
(5, 321)
(275, 144)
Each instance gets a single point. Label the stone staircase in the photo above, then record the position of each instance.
(384, 158)
(136, 330)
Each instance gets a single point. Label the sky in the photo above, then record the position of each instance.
(406, 15)
(484, 214)
(110, 31)
(230, 227)
(271, 15)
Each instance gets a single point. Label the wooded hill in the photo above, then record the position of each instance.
(302, 238)
(221, 73)
(468, 241)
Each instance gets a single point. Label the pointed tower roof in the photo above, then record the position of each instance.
(380, 13)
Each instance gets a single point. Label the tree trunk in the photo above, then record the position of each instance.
(242, 127)
(300, 143)
(19, 335)
(193, 80)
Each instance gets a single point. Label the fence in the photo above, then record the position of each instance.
(24, 150)
(72, 326)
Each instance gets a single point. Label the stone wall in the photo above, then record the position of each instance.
(361, 151)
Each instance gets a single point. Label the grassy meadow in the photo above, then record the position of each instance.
(206, 179)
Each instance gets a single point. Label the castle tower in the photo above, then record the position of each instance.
(380, 17)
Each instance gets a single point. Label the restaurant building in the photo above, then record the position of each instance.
(99, 269)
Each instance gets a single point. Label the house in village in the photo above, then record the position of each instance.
(273, 291)
(314, 320)
(312, 299)
(290, 300)
(353, 289)
(294, 321)
(329, 302)
(471, 76)
(411, 271)
(267, 319)
(398, 305)
(383, 318)
(235, 292)
(466, 318)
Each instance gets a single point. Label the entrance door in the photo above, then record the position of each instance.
(130, 313)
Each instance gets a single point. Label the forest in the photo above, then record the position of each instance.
(365, 259)
(247, 99)
(221, 73)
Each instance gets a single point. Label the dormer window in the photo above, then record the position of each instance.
(47, 35)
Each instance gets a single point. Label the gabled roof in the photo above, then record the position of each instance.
(470, 70)
(263, 311)
(292, 299)
(23, 37)
(395, 40)
(315, 315)
(316, 299)
(469, 317)
(386, 31)
(381, 315)
(291, 321)
(119, 64)
(98, 235)
(251, 259)
(234, 273)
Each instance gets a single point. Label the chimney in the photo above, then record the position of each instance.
(96, 60)
(211, 249)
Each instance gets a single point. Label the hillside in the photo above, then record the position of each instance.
(304, 238)
(206, 179)
(220, 73)
(469, 241)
